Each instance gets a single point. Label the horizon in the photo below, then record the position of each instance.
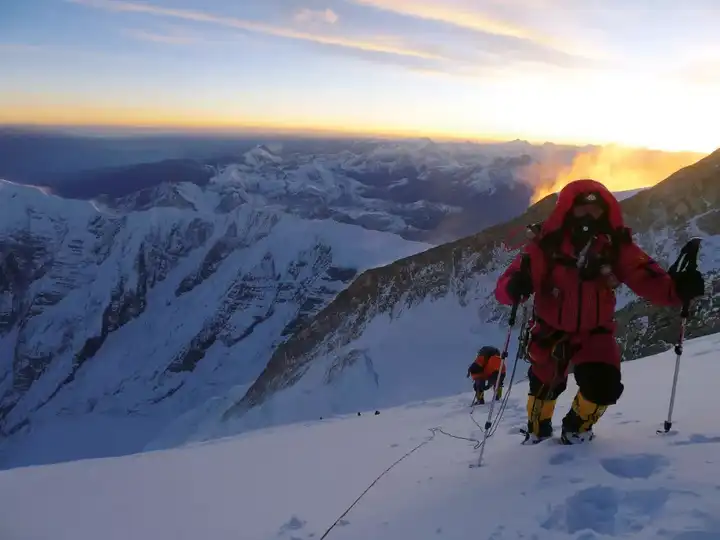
(620, 168)
(488, 71)
(111, 130)
(259, 133)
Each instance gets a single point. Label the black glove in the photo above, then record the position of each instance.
(689, 284)
(519, 286)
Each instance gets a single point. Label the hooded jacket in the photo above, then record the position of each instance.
(487, 361)
(576, 300)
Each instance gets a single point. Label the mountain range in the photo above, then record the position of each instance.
(263, 294)
(420, 189)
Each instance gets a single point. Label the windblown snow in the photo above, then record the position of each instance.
(299, 482)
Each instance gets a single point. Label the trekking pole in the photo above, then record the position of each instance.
(504, 402)
(524, 268)
(687, 260)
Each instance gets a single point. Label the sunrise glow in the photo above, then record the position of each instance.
(458, 69)
(620, 169)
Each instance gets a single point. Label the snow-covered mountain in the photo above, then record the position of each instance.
(318, 479)
(114, 322)
(189, 311)
(419, 189)
(355, 353)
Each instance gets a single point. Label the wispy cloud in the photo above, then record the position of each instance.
(456, 15)
(471, 17)
(306, 15)
(263, 28)
(156, 37)
(19, 47)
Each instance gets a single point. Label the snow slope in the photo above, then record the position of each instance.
(398, 358)
(112, 325)
(295, 482)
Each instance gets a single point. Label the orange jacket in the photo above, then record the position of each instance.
(487, 366)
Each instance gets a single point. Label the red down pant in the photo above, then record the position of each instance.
(595, 357)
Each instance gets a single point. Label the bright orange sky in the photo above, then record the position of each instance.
(539, 70)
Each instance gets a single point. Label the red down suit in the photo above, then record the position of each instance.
(580, 311)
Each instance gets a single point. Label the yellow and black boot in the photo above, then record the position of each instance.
(578, 422)
(540, 413)
(498, 394)
(479, 397)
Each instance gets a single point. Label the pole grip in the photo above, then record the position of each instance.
(686, 261)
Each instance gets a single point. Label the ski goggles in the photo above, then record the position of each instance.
(593, 210)
(589, 204)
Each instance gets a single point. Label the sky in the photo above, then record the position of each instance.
(637, 73)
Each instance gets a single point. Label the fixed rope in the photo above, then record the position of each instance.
(436, 430)
(469, 439)
(345, 513)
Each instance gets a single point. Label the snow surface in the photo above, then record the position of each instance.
(295, 482)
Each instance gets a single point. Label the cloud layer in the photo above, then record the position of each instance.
(423, 35)
(562, 70)
(306, 15)
(256, 27)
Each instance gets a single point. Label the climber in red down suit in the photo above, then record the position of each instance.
(580, 255)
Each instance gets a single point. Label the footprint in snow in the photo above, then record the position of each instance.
(561, 458)
(697, 438)
(606, 511)
(293, 524)
(634, 465)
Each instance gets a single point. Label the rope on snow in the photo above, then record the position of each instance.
(433, 430)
